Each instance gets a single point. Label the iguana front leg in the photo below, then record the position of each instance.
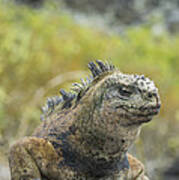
(33, 159)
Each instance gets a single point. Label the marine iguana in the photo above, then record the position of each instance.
(86, 135)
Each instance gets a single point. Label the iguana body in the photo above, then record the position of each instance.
(86, 136)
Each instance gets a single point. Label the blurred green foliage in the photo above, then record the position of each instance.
(37, 45)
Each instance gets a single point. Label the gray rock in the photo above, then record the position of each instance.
(173, 21)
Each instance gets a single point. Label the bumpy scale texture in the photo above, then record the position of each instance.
(86, 135)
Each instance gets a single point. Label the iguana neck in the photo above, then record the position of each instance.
(96, 131)
(86, 153)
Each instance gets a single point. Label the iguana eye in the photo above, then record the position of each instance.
(150, 95)
(125, 92)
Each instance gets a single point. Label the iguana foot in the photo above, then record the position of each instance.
(137, 170)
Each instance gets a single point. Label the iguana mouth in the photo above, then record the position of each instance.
(155, 111)
(152, 110)
(144, 111)
(144, 115)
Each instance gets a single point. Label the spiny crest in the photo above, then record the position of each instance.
(65, 100)
(101, 68)
(97, 70)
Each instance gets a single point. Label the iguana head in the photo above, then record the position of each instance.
(130, 99)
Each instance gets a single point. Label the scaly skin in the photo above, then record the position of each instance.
(87, 135)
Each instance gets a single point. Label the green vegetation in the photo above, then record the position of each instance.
(37, 45)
